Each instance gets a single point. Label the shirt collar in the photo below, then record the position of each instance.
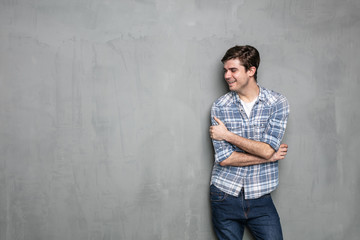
(262, 96)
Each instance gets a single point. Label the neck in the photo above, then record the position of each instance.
(250, 93)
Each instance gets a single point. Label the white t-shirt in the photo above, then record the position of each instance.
(248, 106)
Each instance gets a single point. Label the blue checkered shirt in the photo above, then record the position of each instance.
(267, 123)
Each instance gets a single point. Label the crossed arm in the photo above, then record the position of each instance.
(256, 152)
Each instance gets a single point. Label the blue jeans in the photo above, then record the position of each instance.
(231, 214)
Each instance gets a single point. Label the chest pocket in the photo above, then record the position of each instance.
(234, 127)
(259, 129)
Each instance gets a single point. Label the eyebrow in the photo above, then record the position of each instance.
(232, 68)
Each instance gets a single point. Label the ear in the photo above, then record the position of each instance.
(251, 72)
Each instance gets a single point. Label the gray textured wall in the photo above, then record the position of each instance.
(104, 114)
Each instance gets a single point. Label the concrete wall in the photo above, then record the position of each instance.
(104, 114)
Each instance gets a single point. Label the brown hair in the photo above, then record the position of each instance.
(248, 56)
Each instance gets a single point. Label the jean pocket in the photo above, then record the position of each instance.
(216, 195)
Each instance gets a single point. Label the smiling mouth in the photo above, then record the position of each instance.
(231, 82)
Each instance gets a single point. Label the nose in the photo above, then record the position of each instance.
(227, 74)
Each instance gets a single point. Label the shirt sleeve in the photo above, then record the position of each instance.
(222, 148)
(276, 126)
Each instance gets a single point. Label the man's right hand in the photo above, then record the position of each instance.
(280, 154)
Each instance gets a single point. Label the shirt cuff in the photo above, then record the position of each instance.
(272, 141)
(223, 154)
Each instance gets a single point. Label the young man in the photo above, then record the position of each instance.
(248, 124)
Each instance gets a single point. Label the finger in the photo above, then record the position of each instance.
(282, 148)
(218, 121)
(282, 153)
(283, 145)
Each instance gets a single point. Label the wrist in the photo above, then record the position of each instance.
(272, 158)
(228, 136)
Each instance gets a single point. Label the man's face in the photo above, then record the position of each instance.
(235, 75)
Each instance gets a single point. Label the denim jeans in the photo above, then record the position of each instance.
(231, 214)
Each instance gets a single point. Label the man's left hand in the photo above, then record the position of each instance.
(218, 132)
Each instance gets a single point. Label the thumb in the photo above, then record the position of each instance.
(218, 121)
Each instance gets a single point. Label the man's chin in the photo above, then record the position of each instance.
(232, 88)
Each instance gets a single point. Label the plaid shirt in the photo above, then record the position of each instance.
(267, 124)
